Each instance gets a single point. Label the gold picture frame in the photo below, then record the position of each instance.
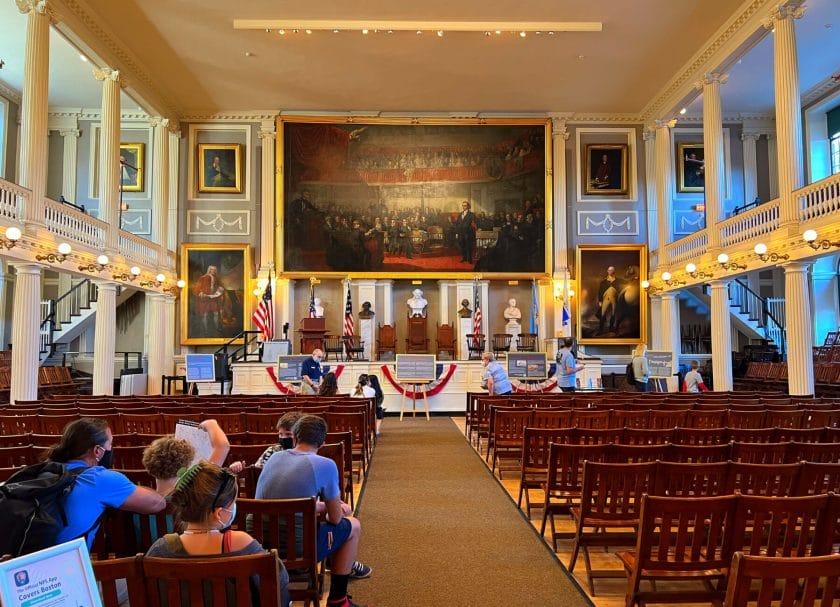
(611, 306)
(220, 168)
(132, 167)
(216, 302)
(691, 168)
(606, 169)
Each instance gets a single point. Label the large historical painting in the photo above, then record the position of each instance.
(215, 302)
(410, 199)
(611, 307)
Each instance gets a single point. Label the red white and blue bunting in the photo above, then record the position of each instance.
(546, 385)
(431, 389)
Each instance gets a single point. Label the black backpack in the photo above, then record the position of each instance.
(630, 374)
(32, 506)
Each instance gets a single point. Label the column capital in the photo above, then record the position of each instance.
(710, 78)
(27, 268)
(159, 121)
(750, 136)
(41, 7)
(649, 132)
(106, 285)
(794, 9)
(106, 73)
(559, 128)
(70, 133)
(269, 134)
(665, 124)
(720, 283)
(794, 267)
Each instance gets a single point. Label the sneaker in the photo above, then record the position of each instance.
(360, 571)
(346, 603)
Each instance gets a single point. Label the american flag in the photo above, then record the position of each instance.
(477, 318)
(264, 315)
(311, 300)
(349, 324)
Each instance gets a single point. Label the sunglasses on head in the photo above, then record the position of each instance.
(227, 477)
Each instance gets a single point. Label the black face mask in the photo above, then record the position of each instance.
(107, 459)
(287, 443)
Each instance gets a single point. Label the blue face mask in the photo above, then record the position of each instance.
(232, 512)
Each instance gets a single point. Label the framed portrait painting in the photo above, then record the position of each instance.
(132, 167)
(216, 301)
(606, 169)
(403, 198)
(611, 306)
(691, 167)
(220, 167)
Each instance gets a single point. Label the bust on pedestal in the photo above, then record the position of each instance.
(319, 309)
(417, 304)
(417, 340)
(465, 327)
(513, 316)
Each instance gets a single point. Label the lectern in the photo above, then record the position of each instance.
(312, 331)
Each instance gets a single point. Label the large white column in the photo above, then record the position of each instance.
(284, 306)
(267, 228)
(387, 297)
(160, 195)
(174, 149)
(444, 287)
(826, 300)
(713, 155)
(788, 109)
(559, 136)
(109, 158)
(156, 329)
(671, 342)
(800, 339)
(748, 140)
(649, 135)
(7, 281)
(773, 166)
(664, 217)
(70, 163)
(655, 325)
(721, 335)
(169, 320)
(26, 332)
(547, 323)
(33, 110)
(105, 338)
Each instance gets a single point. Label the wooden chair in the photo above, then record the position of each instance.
(745, 419)
(387, 341)
(109, 572)
(681, 540)
(679, 479)
(760, 453)
(700, 436)
(225, 581)
(698, 454)
(289, 527)
(815, 478)
(827, 453)
(751, 435)
(508, 432)
(446, 340)
(335, 452)
(357, 424)
(333, 344)
(800, 582)
(634, 454)
(609, 505)
(535, 458)
(762, 479)
(527, 342)
(476, 344)
(596, 436)
(645, 436)
(501, 343)
(346, 469)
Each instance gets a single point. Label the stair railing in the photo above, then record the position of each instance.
(758, 309)
(71, 303)
(240, 347)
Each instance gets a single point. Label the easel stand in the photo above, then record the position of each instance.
(659, 384)
(414, 389)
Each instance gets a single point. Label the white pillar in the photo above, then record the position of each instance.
(788, 109)
(748, 140)
(174, 149)
(664, 217)
(7, 281)
(826, 303)
(387, 290)
(109, 158)
(800, 339)
(773, 166)
(671, 341)
(721, 335)
(160, 196)
(70, 164)
(655, 325)
(26, 332)
(284, 306)
(33, 111)
(156, 329)
(547, 324)
(559, 136)
(268, 229)
(713, 155)
(444, 287)
(105, 339)
(169, 320)
(649, 135)
(366, 291)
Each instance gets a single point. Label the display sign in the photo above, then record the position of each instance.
(201, 367)
(527, 365)
(272, 349)
(660, 363)
(416, 368)
(289, 367)
(60, 576)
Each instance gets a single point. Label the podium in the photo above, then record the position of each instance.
(312, 332)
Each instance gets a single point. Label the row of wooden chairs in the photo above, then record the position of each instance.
(789, 581)
(51, 380)
(246, 401)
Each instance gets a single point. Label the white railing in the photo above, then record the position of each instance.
(688, 248)
(12, 200)
(819, 199)
(760, 221)
(138, 250)
(69, 223)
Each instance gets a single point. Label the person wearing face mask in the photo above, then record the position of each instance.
(311, 373)
(284, 433)
(204, 500)
(87, 443)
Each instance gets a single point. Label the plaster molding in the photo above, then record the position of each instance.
(785, 10)
(95, 114)
(822, 89)
(231, 115)
(661, 124)
(159, 121)
(604, 118)
(10, 93)
(70, 133)
(750, 135)
(711, 78)
(39, 6)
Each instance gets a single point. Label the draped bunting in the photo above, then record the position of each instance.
(547, 385)
(291, 389)
(433, 388)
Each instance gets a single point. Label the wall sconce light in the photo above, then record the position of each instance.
(176, 288)
(13, 234)
(723, 260)
(133, 273)
(761, 250)
(159, 280)
(810, 236)
(64, 250)
(101, 264)
(692, 271)
(670, 281)
(651, 290)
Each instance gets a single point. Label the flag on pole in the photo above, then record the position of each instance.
(535, 311)
(311, 300)
(264, 314)
(349, 324)
(476, 316)
(566, 315)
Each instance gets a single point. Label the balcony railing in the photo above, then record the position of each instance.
(688, 248)
(819, 199)
(751, 224)
(12, 200)
(135, 247)
(67, 222)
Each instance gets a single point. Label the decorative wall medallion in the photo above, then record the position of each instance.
(688, 222)
(137, 221)
(215, 223)
(608, 223)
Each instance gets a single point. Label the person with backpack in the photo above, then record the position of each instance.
(640, 367)
(567, 367)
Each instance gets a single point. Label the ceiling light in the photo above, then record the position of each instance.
(538, 33)
(498, 32)
(247, 53)
(440, 33)
(522, 34)
(645, 284)
(690, 267)
(683, 111)
(666, 276)
(581, 57)
(487, 34)
(83, 58)
(336, 31)
(365, 31)
(418, 32)
(549, 27)
(13, 234)
(268, 30)
(308, 31)
(550, 33)
(390, 31)
(282, 32)
(102, 260)
(760, 248)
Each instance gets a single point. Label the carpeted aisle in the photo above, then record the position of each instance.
(439, 530)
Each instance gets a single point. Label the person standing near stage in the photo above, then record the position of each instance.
(311, 373)
(567, 367)
(495, 377)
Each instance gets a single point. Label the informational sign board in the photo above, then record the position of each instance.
(273, 349)
(527, 365)
(197, 437)
(60, 576)
(416, 368)
(201, 368)
(289, 367)
(660, 363)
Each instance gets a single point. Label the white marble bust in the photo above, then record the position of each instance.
(319, 309)
(417, 303)
(512, 313)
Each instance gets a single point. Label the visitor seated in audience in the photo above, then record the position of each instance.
(87, 443)
(301, 472)
(380, 397)
(168, 454)
(329, 385)
(363, 388)
(284, 432)
(204, 499)
(693, 380)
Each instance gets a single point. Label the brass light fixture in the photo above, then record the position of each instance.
(159, 280)
(810, 236)
(763, 254)
(671, 281)
(132, 274)
(651, 290)
(13, 234)
(64, 250)
(723, 261)
(176, 288)
(695, 273)
(101, 264)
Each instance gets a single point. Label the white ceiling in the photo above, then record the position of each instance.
(198, 61)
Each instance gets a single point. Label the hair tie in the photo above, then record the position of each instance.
(186, 476)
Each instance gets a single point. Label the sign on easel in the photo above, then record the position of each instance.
(201, 368)
(290, 368)
(416, 368)
(527, 365)
(660, 363)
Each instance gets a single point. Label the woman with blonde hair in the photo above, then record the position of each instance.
(641, 369)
